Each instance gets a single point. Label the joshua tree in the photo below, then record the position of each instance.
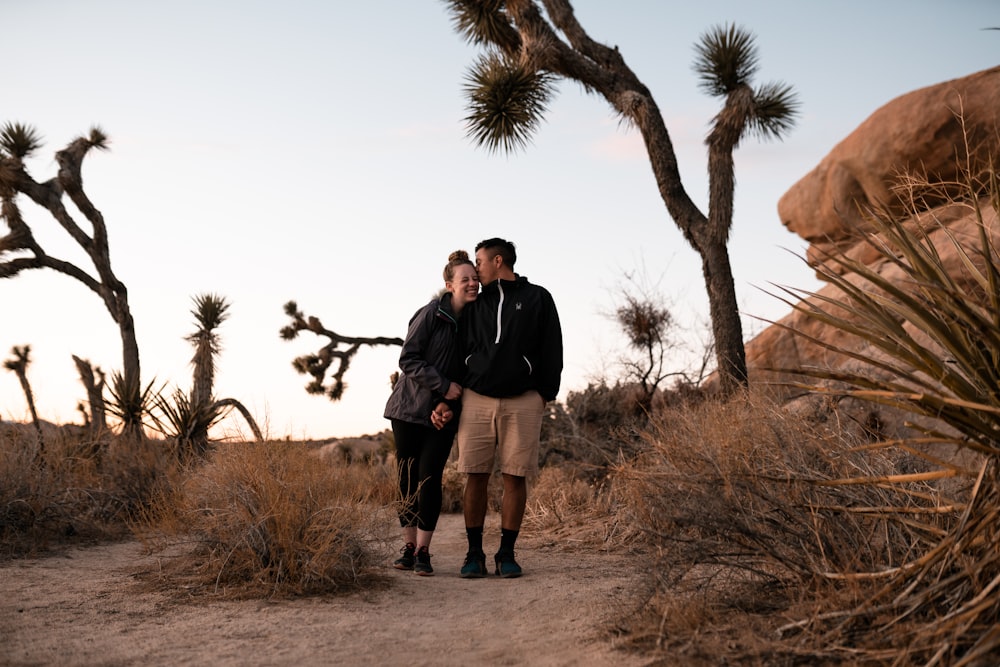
(19, 365)
(191, 416)
(20, 251)
(318, 364)
(210, 311)
(509, 88)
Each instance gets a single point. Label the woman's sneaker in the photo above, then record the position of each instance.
(405, 562)
(474, 566)
(422, 566)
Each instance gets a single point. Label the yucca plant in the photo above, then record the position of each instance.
(130, 403)
(931, 328)
(187, 421)
(188, 417)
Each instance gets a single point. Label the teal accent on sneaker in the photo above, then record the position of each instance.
(474, 566)
(507, 567)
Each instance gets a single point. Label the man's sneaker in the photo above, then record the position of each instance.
(405, 562)
(474, 566)
(423, 564)
(507, 567)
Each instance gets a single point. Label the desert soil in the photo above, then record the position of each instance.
(84, 606)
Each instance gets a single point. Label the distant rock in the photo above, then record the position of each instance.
(363, 449)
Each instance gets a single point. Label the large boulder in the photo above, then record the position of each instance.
(925, 131)
(928, 132)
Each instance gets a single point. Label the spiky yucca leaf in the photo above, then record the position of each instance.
(939, 329)
(484, 22)
(725, 58)
(182, 418)
(775, 109)
(506, 102)
(129, 402)
(188, 421)
(98, 138)
(19, 140)
(210, 311)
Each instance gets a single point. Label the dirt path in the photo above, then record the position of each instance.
(81, 608)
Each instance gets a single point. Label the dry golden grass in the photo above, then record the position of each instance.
(741, 516)
(271, 519)
(76, 490)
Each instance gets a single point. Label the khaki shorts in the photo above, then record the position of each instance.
(506, 429)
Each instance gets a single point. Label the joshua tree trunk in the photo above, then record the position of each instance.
(19, 365)
(726, 327)
(95, 396)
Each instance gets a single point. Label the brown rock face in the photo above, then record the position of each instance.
(928, 132)
(920, 132)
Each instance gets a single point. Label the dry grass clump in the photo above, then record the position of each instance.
(559, 500)
(75, 490)
(269, 519)
(929, 312)
(452, 488)
(742, 513)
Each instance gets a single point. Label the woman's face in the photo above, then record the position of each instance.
(464, 285)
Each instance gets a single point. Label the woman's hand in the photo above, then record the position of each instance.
(441, 415)
(454, 392)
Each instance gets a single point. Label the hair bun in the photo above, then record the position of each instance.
(458, 256)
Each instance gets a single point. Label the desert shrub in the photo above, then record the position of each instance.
(560, 502)
(596, 428)
(874, 548)
(75, 490)
(270, 519)
(741, 508)
(928, 314)
(452, 487)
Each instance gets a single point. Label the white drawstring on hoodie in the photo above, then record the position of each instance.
(499, 310)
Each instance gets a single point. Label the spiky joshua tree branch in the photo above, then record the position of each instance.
(317, 365)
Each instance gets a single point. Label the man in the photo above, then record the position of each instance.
(514, 359)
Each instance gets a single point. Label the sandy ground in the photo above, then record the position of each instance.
(83, 607)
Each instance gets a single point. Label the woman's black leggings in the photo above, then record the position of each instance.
(421, 454)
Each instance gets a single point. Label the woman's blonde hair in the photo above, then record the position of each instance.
(456, 259)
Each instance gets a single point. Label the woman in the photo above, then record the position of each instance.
(429, 361)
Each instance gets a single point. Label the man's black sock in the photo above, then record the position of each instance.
(507, 539)
(475, 536)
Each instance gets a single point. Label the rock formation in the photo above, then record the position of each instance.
(928, 132)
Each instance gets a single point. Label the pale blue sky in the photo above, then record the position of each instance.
(315, 151)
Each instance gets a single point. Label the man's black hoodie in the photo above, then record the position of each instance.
(512, 340)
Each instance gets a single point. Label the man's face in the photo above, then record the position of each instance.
(487, 265)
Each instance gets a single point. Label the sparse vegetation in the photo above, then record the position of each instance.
(763, 534)
(74, 492)
(269, 520)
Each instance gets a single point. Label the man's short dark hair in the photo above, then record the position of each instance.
(502, 247)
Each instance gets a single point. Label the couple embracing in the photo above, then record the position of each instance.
(477, 369)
